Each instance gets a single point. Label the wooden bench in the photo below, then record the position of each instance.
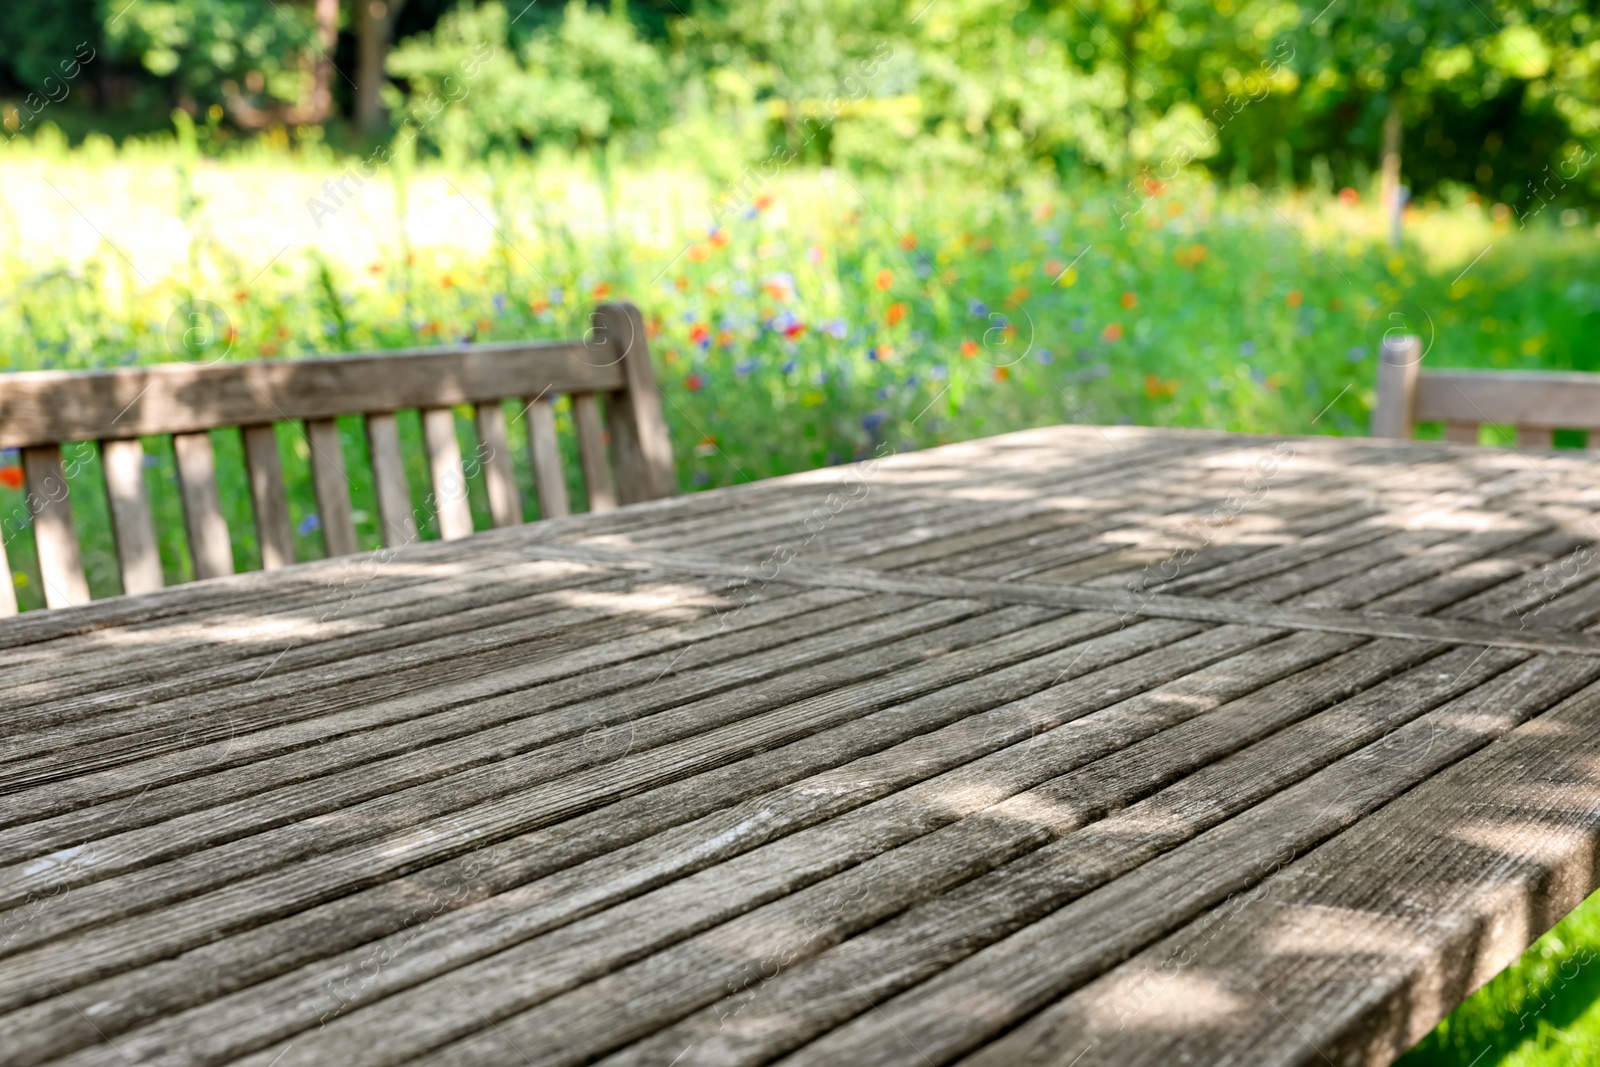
(1535, 403)
(39, 411)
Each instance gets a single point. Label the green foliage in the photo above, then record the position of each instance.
(576, 82)
(1497, 97)
(210, 48)
(36, 36)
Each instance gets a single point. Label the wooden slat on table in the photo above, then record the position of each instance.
(704, 791)
(970, 680)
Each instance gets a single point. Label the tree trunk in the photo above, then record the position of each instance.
(320, 104)
(1389, 195)
(374, 31)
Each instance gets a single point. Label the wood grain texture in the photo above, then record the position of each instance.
(268, 496)
(1472, 841)
(639, 437)
(499, 475)
(210, 548)
(450, 505)
(54, 535)
(395, 517)
(677, 980)
(1399, 360)
(1570, 400)
(138, 559)
(592, 452)
(958, 746)
(332, 486)
(1180, 884)
(1125, 604)
(546, 852)
(544, 453)
(43, 407)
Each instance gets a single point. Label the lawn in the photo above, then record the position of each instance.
(798, 321)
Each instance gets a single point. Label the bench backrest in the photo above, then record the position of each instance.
(39, 411)
(1536, 403)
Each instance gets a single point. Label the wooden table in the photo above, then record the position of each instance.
(1073, 746)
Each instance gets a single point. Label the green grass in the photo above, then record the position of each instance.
(1543, 1011)
(829, 317)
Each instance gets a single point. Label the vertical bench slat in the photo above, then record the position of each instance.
(8, 588)
(267, 495)
(131, 525)
(59, 563)
(1535, 437)
(444, 466)
(639, 436)
(209, 545)
(592, 452)
(624, 452)
(332, 487)
(389, 481)
(1462, 433)
(499, 476)
(544, 451)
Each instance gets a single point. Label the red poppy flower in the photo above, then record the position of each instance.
(969, 348)
(11, 477)
(693, 383)
(698, 332)
(1112, 332)
(896, 312)
(794, 331)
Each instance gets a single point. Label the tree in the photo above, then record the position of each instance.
(375, 22)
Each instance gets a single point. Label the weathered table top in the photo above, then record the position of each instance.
(1073, 746)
